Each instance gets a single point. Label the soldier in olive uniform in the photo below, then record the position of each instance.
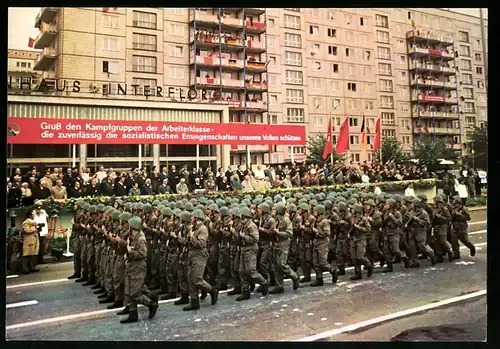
(175, 250)
(334, 220)
(197, 262)
(182, 235)
(156, 254)
(403, 233)
(344, 226)
(249, 246)
(101, 249)
(136, 291)
(267, 225)
(417, 226)
(305, 241)
(214, 231)
(145, 211)
(165, 227)
(235, 251)
(293, 253)
(459, 218)
(321, 245)
(83, 243)
(110, 233)
(372, 238)
(280, 247)
(75, 238)
(440, 219)
(224, 263)
(360, 228)
(392, 223)
(91, 223)
(120, 237)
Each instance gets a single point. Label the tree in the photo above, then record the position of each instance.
(477, 148)
(391, 150)
(315, 147)
(430, 150)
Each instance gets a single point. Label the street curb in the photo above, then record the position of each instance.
(478, 208)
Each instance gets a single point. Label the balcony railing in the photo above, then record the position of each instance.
(46, 57)
(434, 99)
(45, 36)
(45, 14)
(421, 51)
(431, 67)
(435, 114)
(434, 83)
(424, 35)
(256, 27)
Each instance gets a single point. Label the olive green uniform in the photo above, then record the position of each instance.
(280, 248)
(249, 248)
(197, 260)
(321, 245)
(459, 218)
(417, 225)
(224, 263)
(361, 227)
(213, 243)
(440, 222)
(266, 226)
(305, 245)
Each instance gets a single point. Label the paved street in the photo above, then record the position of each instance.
(46, 306)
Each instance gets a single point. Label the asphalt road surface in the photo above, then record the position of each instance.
(47, 306)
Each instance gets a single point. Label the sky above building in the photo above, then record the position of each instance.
(22, 19)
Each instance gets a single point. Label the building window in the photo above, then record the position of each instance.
(18, 64)
(404, 107)
(469, 108)
(382, 37)
(144, 42)
(405, 124)
(294, 96)
(270, 22)
(403, 76)
(363, 38)
(110, 21)
(295, 115)
(383, 52)
(110, 44)
(292, 22)
(353, 122)
(387, 102)
(332, 50)
(402, 59)
(368, 105)
(176, 72)
(313, 12)
(464, 51)
(388, 133)
(145, 85)
(315, 48)
(366, 54)
(29, 65)
(273, 100)
(335, 103)
(348, 36)
(293, 58)
(463, 36)
(297, 150)
(351, 69)
(272, 60)
(317, 65)
(331, 15)
(477, 56)
(468, 92)
(355, 157)
(111, 67)
(144, 20)
(384, 69)
(335, 68)
(367, 71)
(351, 86)
(176, 51)
(479, 70)
(144, 64)
(294, 9)
(176, 11)
(466, 64)
(348, 18)
(403, 92)
(23, 65)
(480, 84)
(335, 84)
(352, 103)
(314, 30)
(382, 21)
(176, 29)
(349, 52)
(293, 40)
(466, 79)
(332, 33)
(293, 77)
(405, 140)
(354, 140)
(271, 79)
(388, 119)
(367, 88)
(363, 21)
(317, 102)
(315, 83)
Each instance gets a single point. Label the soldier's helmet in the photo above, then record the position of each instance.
(280, 208)
(245, 212)
(277, 198)
(147, 208)
(125, 216)
(391, 202)
(370, 202)
(313, 202)
(199, 214)
(328, 204)
(292, 208)
(257, 201)
(224, 211)
(189, 207)
(92, 209)
(166, 211)
(457, 199)
(179, 205)
(220, 202)
(116, 215)
(156, 202)
(100, 207)
(135, 223)
(200, 207)
(177, 212)
(320, 209)
(109, 211)
(342, 206)
(304, 206)
(438, 199)
(264, 207)
(422, 197)
(214, 208)
(185, 216)
(358, 208)
(236, 212)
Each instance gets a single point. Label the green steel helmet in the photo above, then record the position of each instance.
(177, 212)
(185, 201)
(109, 211)
(247, 202)
(352, 201)
(116, 215)
(278, 198)
(166, 211)
(380, 198)
(199, 207)
(370, 195)
(220, 202)
(304, 206)
(342, 206)
(355, 196)
(257, 201)
(189, 207)
(357, 208)
(214, 208)
(147, 208)
(416, 202)
(135, 223)
(438, 199)
(280, 208)
(92, 209)
(156, 202)
(247, 197)
(224, 211)
(298, 195)
(287, 195)
(245, 212)
(313, 202)
(100, 207)
(236, 212)
(391, 202)
(198, 214)
(237, 201)
(185, 216)
(303, 201)
(398, 198)
(408, 198)
(268, 198)
(125, 216)
(242, 205)
(159, 207)
(422, 197)
(179, 205)
(362, 195)
(203, 200)
(291, 200)
(165, 203)
(265, 208)
(292, 208)
(370, 202)
(86, 206)
(194, 201)
(328, 204)
(172, 205)
(210, 202)
(320, 209)
(342, 199)
(140, 207)
(318, 197)
(269, 202)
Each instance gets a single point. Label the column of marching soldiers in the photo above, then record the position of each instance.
(132, 253)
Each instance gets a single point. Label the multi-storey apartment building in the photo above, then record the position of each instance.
(20, 65)
(275, 66)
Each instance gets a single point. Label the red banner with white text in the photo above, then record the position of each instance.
(70, 131)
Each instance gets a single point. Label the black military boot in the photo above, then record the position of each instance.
(116, 304)
(415, 265)
(234, 291)
(152, 309)
(369, 270)
(265, 289)
(102, 296)
(382, 262)
(82, 279)
(335, 276)
(214, 295)
(204, 295)
(295, 283)
(171, 295)
(317, 282)
(90, 282)
(259, 289)
(244, 296)
(342, 271)
(388, 269)
(457, 255)
(305, 279)
(222, 287)
(357, 276)
(124, 311)
(422, 256)
(183, 300)
(99, 291)
(96, 286)
(109, 299)
(433, 261)
(450, 257)
(439, 259)
(194, 304)
(472, 251)
(133, 316)
(74, 276)
(252, 286)
(277, 290)
(406, 261)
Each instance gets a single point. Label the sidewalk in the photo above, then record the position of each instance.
(478, 208)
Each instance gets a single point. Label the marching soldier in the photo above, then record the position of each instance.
(91, 247)
(120, 238)
(224, 263)
(112, 247)
(392, 223)
(235, 251)
(293, 253)
(305, 241)
(267, 225)
(344, 226)
(372, 238)
(156, 254)
(181, 233)
(164, 227)
(76, 240)
(145, 211)
(100, 249)
(441, 219)
(214, 239)
(417, 225)
(459, 218)
(359, 229)
(321, 245)
(83, 243)
(280, 246)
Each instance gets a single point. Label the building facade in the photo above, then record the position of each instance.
(20, 64)
(278, 66)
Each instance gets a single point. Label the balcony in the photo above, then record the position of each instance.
(255, 46)
(437, 130)
(254, 66)
(256, 11)
(253, 27)
(436, 54)
(45, 15)
(256, 86)
(429, 83)
(47, 33)
(49, 75)
(435, 115)
(45, 59)
(423, 36)
(260, 106)
(210, 42)
(432, 68)
(206, 19)
(423, 98)
(215, 61)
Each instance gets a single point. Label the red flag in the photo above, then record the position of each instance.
(343, 140)
(329, 141)
(363, 136)
(105, 9)
(31, 42)
(376, 144)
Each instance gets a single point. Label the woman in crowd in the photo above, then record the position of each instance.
(30, 243)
